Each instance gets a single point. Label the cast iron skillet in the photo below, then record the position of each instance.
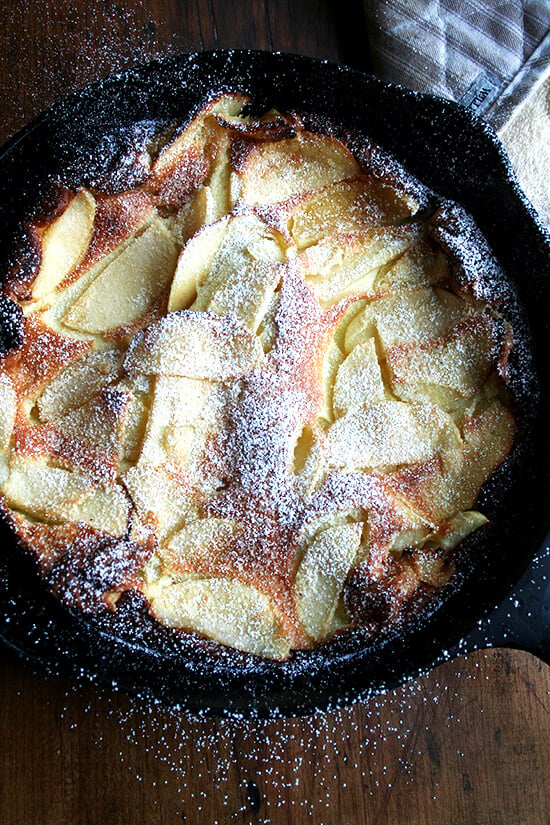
(457, 157)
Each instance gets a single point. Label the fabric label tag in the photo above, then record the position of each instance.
(482, 93)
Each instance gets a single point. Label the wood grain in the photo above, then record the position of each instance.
(468, 743)
(56, 46)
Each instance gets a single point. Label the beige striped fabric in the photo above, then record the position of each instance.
(490, 55)
(466, 50)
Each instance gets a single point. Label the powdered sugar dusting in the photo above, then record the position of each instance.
(259, 456)
(303, 400)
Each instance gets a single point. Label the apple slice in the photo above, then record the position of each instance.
(218, 189)
(194, 264)
(389, 434)
(413, 316)
(344, 207)
(184, 163)
(64, 243)
(195, 345)
(455, 530)
(160, 497)
(201, 545)
(331, 363)
(177, 403)
(78, 383)
(129, 286)
(488, 438)
(451, 484)
(179, 442)
(189, 218)
(94, 264)
(447, 369)
(228, 107)
(8, 409)
(321, 575)
(418, 316)
(247, 293)
(107, 509)
(247, 241)
(226, 610)
(44, 492)
(344, 265)
(272, 125)
(268, 329)
(272, 172)
(309, 459)
(423, 264)
(358, 380)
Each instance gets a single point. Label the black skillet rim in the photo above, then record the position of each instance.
(64, 642)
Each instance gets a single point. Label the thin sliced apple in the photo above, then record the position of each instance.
(331, 363)
(359, 380)
(346, 206)
(419, 315)
(451, 484)
(488, 438)
(321, 576)
(248, 240)
(268, 329)
(190, 217)
(159, 497)
(184, 162)
(423, 264)
(179, 442)
(229, 106)
(248, 303)
(117, 219)
(76, 385)
(61, 303)
(309, 459)
(218, 189)
(178, 402)
(195, 345)
(129, 286)
(8, 408)
(274, 172)
(228, 611)
(389, 434)
(344, 265)
(190, 161)
(455, 530)
(200, 545)
(107, 509)
(194, 264)
(447, 369)
(64, 243)
(413, 316)
(44, 492)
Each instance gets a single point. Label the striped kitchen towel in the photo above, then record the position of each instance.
(491, 55)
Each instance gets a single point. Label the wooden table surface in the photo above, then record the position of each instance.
(468, 744)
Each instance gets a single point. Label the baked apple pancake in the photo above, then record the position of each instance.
(261, 388)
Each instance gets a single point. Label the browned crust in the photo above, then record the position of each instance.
(79, 564)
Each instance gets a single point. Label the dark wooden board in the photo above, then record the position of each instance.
(56, 46)
(466, 745)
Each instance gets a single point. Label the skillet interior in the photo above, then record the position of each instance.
(457, 157)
